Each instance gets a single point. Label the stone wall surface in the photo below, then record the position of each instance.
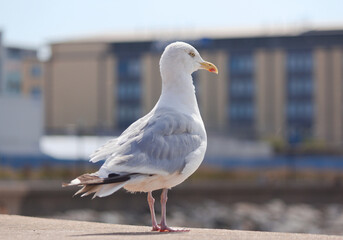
(18, 227)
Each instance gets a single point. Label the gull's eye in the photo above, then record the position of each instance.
(192, 54)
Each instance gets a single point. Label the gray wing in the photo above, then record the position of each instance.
(160, 141)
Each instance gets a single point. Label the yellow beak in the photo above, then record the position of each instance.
(209, 67)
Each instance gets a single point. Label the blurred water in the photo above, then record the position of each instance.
(309, 161)
(300, 162)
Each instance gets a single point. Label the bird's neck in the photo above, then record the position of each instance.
(178, 92)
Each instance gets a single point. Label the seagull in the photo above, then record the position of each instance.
(161, 149)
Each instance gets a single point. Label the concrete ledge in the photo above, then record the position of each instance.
(19, 227)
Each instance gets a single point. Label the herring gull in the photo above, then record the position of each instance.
(161, 149)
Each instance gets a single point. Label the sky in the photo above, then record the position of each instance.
(36, 23)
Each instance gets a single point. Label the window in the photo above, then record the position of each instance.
(242, 87)
(300, 60)
(36, 71)
(13, 53)
(241, 111)
(36, 92)
(129, 90)
(241, 62)
(129, 67)
(13, 82)
(300, 86)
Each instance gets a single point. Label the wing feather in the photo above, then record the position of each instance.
(156, 143)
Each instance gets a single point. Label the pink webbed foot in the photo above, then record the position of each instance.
(156, 228)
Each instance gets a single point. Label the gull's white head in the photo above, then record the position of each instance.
(182, 57)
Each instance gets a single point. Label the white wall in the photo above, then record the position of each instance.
(21, 125)
(1, 62)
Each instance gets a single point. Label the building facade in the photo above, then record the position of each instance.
(33, 75)
(13, 64)
(283, 86)
(21, 126)
(1, 62)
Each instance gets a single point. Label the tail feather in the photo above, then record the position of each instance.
(102, 187)
(84, 189)
(92, 189)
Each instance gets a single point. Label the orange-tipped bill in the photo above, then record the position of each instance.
(209, 67)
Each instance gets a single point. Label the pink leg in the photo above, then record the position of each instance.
(151, 202)
(163, 225)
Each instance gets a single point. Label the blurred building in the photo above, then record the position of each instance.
(32, 78)
(287, 86)
(13, 63)
(1, 61)
(21, 108)
(21, 125)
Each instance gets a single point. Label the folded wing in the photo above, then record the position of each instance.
(156, 144)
